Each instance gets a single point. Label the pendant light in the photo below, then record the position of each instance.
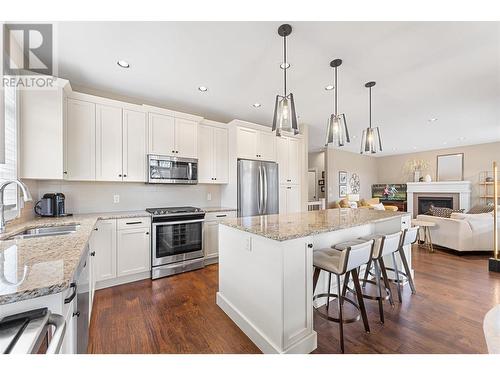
(336, 131)
(371, 141)
(284, 108)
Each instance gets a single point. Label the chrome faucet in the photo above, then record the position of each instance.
(26, 197)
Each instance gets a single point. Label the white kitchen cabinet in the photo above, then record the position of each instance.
(103, 242)
(161, 134)
(246, 140)
(109, 149)
(266, 146)
(213, 155)
(255, 144)
(41, 133)
(134, 146)
(172, 136)
(133, 254)
(289, 199)
(80, 140)
(289, 160)
(186, 138)
(211, 234)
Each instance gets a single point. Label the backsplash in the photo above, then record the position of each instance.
(88, 197)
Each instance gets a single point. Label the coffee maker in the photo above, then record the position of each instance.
(51, 204)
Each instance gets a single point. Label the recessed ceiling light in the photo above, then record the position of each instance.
(203, 88)
(123, 64)
(257, 105)
(329, 87)
(354, 136)
(461, 138)
(284, 65)
(445, 143)
(414, 147)
(432, 119)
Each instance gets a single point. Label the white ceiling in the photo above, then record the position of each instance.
(444, 70)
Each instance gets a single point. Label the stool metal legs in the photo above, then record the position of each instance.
(407, 269)
(341, 298)
(400, 274)
(379, 292)
(385, 279)
(396, 272)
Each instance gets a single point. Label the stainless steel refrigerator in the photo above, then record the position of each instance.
(258, 188)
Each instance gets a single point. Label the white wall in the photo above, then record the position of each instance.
(87, 197)
(317, 162)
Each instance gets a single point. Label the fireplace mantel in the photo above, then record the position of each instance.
(462, 188)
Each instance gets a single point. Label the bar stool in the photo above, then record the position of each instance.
(384, 244)
(340, 263)
(409, 237)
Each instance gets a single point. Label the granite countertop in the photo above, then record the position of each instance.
(218, 209)
(39, 266)
(303, 224)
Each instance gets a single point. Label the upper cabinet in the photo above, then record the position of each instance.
(255, 144)
(42, 132)
(80, 140)
(169, 135)
(109, 148)
(289, 162)
(213, 154)
(134, 146)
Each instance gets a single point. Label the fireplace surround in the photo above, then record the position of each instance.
(458, 192)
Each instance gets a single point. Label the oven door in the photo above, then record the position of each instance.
(176, 241)
(172, 170)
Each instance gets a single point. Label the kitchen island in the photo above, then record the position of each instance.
(266, 269)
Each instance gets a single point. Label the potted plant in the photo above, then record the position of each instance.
(416, 168)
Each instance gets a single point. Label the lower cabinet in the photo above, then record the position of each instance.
(133, 255)
(211, 234)
(289, 199)
(122, 251)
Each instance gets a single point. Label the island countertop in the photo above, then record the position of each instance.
(35, 267)
(283, 227)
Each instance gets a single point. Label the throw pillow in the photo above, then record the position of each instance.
(353, 204)
(443, 211)
(344, 203)
(480, 209)
(362, 203)
(378, 207)
(334, 205)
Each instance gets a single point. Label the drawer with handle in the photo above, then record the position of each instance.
(217, 216)
(135, 222)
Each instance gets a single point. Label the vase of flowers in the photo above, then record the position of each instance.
(416, 168)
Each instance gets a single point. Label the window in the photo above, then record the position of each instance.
(8, 170)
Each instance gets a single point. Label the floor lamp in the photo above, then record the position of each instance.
(494, 263)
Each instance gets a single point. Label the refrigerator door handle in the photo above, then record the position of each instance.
(264, 172)
(259, 202)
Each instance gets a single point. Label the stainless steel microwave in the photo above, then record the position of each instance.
(172, 170)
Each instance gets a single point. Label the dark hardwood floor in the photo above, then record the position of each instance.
(179, 315)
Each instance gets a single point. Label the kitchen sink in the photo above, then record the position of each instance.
(45, 231)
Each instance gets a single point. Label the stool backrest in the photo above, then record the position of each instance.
(390, 243)
(409, 236)
(357, 255)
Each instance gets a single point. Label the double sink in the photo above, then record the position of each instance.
(45, 231)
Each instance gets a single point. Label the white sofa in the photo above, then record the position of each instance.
(462, 232)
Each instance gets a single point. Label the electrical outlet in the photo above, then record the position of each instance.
(116, 198)
(209, 196)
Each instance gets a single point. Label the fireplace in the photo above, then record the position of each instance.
(424, 203)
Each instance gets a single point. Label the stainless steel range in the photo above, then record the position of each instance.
(177, 240)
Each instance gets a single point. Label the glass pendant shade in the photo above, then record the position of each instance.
(371, 141)
(336, 131)
(285, 118)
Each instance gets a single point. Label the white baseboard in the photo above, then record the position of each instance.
(211, 260)
(122, 280)
(305, 345)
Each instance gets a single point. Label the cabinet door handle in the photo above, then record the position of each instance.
(96, 229)
(65, 172)
(310, 245)
(221, 215)
(134, 222)
(92, 254)
(147, 233)
(173, 151)
(119, 175)
(77, 314)
(124, 175)
(73, 294)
